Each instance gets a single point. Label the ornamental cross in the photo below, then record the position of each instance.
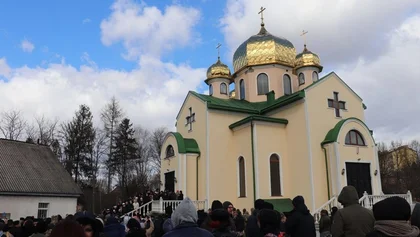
(190, 119)
(304, 36)
(336, 104)
(261, 12)
(218, 50)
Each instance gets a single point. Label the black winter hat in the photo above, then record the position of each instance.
(259, 204)
(393, 208)
(227, 204)
(298, 200)
(216, 204)
(220, 215)
(268, 217)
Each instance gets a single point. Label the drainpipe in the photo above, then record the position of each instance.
(253, 159)
(196, 178)
(328, 175)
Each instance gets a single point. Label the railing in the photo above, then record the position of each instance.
(161, 205)
(368, 201)
(326, 206)
(143, 210)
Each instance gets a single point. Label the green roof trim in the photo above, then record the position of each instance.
(243, 106)
(185, 145)
(258, 118)
(332, 135)
(281, 205)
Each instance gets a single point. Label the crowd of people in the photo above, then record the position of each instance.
(390, 217)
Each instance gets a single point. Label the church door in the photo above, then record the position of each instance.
(358, 175)
(170, 181)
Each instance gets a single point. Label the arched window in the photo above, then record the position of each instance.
(169, 151)
(355, 138)
(211, 90)
(314, 76)
(287, 84)
(242, 186)
(275, 175)
(262, 84)
(242, 89)
(301, 79)
(223, 88)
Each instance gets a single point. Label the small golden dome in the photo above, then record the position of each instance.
(307, 59)
(264, 48)
(218, 70)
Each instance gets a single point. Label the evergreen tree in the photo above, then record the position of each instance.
(124, 152)
(79, 137)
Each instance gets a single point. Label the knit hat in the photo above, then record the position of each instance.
(393, 208)
(216, 204)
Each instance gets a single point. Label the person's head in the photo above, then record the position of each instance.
(244, 211)
(10, 223)
(41, 227)
(268, 206)
(268, 221)
(324, 213)
(168, 211)
(185, 213)
(68, 228)
(259, 204)
(88, 225)
(16, 223)
(216, 204)
(348, 196)
(283, 218)
(228, 206)
(392, 209)
(220, 218)
(133, 224)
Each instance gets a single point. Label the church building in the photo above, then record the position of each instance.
(283, 131)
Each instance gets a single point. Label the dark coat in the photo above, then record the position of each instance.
(136, 233)
(240, 223)
(188, 229)
(301, 223)
(324, 224)
(376, 234)
(114, 230)
(353, 220)
(252, 228)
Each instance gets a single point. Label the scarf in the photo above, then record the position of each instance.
(397, 228)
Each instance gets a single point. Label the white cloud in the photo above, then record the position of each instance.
(340, 31)
(150, 95)
(27, 46)
(147, 30)
(86, 20)
(390, 85)
(4, 68)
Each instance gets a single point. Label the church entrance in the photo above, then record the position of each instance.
(358, 175)
(170, 181)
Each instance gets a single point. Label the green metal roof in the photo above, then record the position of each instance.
(332, 135)
(185, 145)
(258, 118)
(281, 204)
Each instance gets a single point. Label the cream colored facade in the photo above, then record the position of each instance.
(302, 133)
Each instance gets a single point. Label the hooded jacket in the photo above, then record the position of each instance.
(353, 220)
(113, 228)
(184, 220)
(301, 223)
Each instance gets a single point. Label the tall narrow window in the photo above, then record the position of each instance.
(211, 90)
(262, 84)
(242, 89)
(355, 138)
(275, 175)
(314, 76)
(169, 151)
(301, 79)
(223, 88)
(287, 84)
(242, 185)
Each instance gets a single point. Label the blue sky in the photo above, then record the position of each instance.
(56, 55)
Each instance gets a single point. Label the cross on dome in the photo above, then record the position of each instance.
(261, 12)
(218, 50)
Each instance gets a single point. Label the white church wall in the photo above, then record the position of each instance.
(22, 206)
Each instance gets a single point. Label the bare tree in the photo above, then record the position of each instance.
(12, 124)
(110, 116)
(46, 130)
(157, 138)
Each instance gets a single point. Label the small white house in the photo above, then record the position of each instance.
(33, 182)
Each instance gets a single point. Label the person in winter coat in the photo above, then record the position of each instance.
(415, 217)
(239, 221)
(113, 228)
(269, 220)
(167, 225)
(392, 215)
(150, 226)
(353, 220)
(252, 229)
(208, 223)
(228, 206)
(134, 229)
(184, 220)
(300, 223)
(325, 224)
(220, 221)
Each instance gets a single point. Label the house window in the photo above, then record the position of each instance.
(169, 151)
(275, 175)
(301, 79)
(223, 88)
(43, 210)
(190, 119)
(354, 138)
(262, 84)
(211, 90)
(287, 84)
(242, 89)
(242, 186)
(314, 76)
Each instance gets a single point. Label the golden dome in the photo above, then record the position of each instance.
(307, 59)
(218, 70)
(264, 48)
